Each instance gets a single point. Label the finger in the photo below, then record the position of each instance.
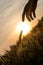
(23, 19)
(28, 17)
(34, 14)
(23, 16)
(31, 17)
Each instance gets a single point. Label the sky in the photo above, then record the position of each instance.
(10, 17)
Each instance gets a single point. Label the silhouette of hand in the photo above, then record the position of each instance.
(29, 10)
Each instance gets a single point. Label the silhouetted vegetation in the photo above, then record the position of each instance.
(28, 51)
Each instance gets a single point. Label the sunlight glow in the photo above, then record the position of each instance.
(24, 27)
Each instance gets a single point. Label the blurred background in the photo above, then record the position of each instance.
(10, 17)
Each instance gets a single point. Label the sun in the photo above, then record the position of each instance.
(24, 27)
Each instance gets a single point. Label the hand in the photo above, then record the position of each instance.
(29, 10)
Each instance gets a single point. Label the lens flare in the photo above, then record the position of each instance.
(24, 27)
